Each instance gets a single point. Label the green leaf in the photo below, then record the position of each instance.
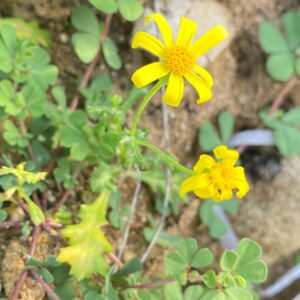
(86, 46)
(58, 92)
(193, 292)
(209, 217)
(187, 249)
(130, 9)
(106, 6)
(228, 260)
(92, 295)
(208, 137)
(237, 293)
(41, 154)
(84, 19)
(202, 258)
(35, 100)
(291, 26)
(28, 30)
(111, 55)
(9, 37)
(132, 266)
(87, 243)
(172, 291)
(287, 139)
(271, 121)
(110, 291)
(292, 117)
(280, 66)
(226, 124)
(174, 264)
(51, 261)
(86, 42)
(40, 72)
(104, 178)
(12, 104)
(210, 279)
(270, 39)
(248, 264)
(12, 135)
(46, 275)
(36, 214)
(3, 215)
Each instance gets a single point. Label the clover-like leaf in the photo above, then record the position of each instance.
(86, 42)
(245, 261)
(87, 243)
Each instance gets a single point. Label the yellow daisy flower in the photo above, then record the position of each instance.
(216, 179)
(178, 59)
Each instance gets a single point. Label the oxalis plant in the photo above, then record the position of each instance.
(88, 135)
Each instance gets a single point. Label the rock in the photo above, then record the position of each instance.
(269, 214)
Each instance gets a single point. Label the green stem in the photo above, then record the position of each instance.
(144, 103)
(165, 156)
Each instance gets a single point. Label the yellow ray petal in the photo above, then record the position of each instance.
(186, 32)
(193, 182)
(242, 186)
(204, 74)
(206, 192)
(209, 40)
(203, 90)
(148, 74)
(205, 162)
(222, 152)
(174, 92)
(164, 28)
(149, 43)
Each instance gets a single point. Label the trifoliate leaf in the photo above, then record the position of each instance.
(8, 40)
(86, 42)
(87, 242)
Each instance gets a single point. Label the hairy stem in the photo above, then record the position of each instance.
(164, 156)
(143, 105)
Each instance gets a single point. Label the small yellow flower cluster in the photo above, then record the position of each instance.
(217, 179)
(214, 179)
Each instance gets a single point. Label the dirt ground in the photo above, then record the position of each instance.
(241, 86)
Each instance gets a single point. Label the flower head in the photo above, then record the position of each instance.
(216, 179)
(178, 58)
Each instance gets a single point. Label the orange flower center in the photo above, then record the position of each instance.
(179, 60)
(222, 175)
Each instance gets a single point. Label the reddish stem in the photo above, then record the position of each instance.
(24, 274)
(52, 295)
(282, 95)
(9, 224)
(89, 71)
